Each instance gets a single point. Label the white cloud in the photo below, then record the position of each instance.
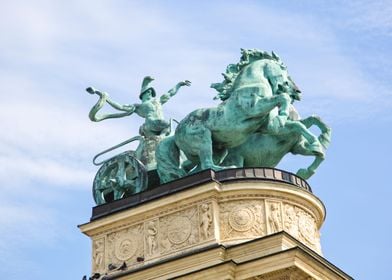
(24, 226)
(370, 16)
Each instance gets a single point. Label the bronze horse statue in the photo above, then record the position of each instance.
(256, 96)
(264, 150)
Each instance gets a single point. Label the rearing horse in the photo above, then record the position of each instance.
(256, 97)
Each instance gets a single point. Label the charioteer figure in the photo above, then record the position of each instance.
(126, 173)
(155, 127)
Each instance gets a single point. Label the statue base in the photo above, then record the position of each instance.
(244, 222)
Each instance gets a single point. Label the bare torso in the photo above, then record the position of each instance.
(150, 110)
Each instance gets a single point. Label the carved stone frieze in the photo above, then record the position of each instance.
(274, 213)
(236, 215)
(301, 225)
(164, 234)
(242, 219)
(125, 245)
(308, 232)
(179, 230)
(99, 254)
(151, 235)
(246, 218)
(291, 220)
(206, 221)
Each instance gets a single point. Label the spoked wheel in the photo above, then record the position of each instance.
(118, 177)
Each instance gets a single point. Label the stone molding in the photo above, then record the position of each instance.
(213, 213)
(278, 257)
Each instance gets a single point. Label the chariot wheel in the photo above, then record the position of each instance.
(119, 177)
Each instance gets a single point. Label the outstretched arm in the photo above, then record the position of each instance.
(164, 98)
(104, 98)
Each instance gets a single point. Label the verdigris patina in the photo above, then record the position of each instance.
(255, 125)
(257, 94)
(155, 126)
(126, 173)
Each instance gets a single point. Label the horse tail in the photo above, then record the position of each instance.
(167, 156)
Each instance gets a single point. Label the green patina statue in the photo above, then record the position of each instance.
(155, 126)
(257, 94)
(115, 176)
(255, 125)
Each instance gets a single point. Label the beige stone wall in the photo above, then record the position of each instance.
(212, 213)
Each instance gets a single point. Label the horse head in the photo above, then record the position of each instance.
(254, 67)
(247, 96)
(278, 78)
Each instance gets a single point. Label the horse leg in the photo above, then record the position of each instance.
(205, 152)
(218, 155)
(305, 173)
(298, 127)
(234, 158)
(325, 136)
(302, 148)
(167, 156)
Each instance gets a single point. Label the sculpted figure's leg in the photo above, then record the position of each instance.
(205, 152)
(218, 155)
(234, 158)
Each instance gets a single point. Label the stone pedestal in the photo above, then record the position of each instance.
(232, 224)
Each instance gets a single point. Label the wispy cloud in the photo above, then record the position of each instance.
(370, 16)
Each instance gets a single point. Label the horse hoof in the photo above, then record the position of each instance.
(317, 149)
(304, 173)
(217, 167)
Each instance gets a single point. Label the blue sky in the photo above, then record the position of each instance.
(338, 52)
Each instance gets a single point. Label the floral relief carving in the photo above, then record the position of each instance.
(301, 225)
(307, 228)
(125, 245)
(171, 232)
(179, 230)
(242, 219)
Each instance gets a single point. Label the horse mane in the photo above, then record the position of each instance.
(233, 70)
